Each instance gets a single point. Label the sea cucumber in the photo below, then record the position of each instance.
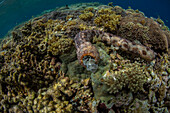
(86, 49)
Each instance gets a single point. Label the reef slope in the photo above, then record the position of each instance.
(89, 58)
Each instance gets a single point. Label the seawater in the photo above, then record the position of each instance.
(14, 12)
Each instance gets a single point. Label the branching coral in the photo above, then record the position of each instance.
(141, 106)
(61, 97)
(60, 46)
(86, 16)
(108, 19)
(133, 76)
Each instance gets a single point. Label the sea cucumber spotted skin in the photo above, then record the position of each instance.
(84, 47)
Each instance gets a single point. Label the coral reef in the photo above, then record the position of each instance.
(133, 76)
(147, 31)
(86, 16)
(86, 57)
(60, 46)
(108, 19)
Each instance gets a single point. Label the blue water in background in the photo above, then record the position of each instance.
(13, 12)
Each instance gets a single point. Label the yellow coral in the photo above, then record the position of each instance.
(106, 11)
(60, 46)
(71, 22)
(89, 9)
(83, 27)
(69, 17)
(86, 16)
(108, 19)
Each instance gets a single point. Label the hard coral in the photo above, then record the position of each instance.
(88, 9)
(139, 106)
(63, 96)
(86, 16)
(147, 31)
(108, 19)
(60, 46)
(133, 76)
(31, 73)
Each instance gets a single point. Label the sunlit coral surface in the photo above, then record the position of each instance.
(89, 58)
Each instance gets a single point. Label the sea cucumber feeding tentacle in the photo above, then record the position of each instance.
(85, 48)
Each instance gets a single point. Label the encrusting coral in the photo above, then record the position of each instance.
(86, 57)
(146, 30)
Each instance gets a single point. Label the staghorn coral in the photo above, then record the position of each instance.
(69, 17)
(71, 22)
(88, 9)
(87, 14)
(62, 96)
(30, 61)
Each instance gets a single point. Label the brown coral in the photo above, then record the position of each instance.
(108, 19)
(86, 16)
(60, 46)
(147, 31)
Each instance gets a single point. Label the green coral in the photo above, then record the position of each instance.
(60, 46)
(108, 19)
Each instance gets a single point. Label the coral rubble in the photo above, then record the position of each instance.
(89, 58)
